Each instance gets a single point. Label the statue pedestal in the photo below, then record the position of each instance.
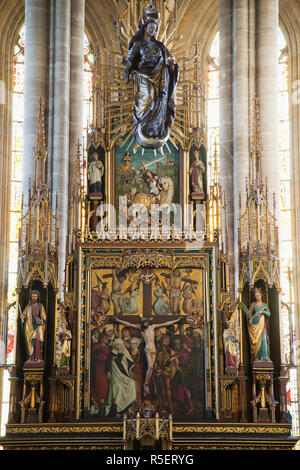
(281, 382)
(229, 398)
(33, 392)
(198, 196)
(263, 402)
(62, 395)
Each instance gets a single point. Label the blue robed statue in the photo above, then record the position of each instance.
(257, 327)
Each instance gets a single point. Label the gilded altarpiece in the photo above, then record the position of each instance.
(160, 285)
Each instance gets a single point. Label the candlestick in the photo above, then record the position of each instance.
(124, 427)
(138, 425)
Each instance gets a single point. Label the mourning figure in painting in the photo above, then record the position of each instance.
(164, 371)
(122, 392)
(100, 382)
(183, 375)
(138, 368)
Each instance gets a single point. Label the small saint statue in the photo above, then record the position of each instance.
(197, 170)
(231, 346)
(33, 325)
(65, 339)
(95, 174)
(257, 327)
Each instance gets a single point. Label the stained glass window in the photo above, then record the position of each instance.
(88, 82)
(212, 110)
(14, 212)
(16, 185)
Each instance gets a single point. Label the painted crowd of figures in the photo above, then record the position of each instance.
(119, 366)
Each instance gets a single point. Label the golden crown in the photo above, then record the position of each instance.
(151, 12)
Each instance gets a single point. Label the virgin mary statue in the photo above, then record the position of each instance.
(155, 77)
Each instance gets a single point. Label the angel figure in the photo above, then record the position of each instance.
(131, 305)
(161, 306)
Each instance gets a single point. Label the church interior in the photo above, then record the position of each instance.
(150, 261)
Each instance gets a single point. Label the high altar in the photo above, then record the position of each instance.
(146, 345)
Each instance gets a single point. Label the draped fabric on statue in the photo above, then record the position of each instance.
(34, 333)
(258, 334)
(154, 89)
(230, 349)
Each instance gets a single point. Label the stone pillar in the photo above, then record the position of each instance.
(61, 113)
(35, 84)
(226, 131)
(50, 106)
(251, 59)
(267, 90)
(76, 81)
(240, 117)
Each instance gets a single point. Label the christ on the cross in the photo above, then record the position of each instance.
(147, 332)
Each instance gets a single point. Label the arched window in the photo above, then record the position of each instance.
(10, 315)
(212, 110)
(16, 186)
(88, 83)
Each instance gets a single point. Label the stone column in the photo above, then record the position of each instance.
(240, 116)
(61, 113)
(35, 79)
(50, 107)
(251, 59)
(76, 81)
(226, 130)
(267, 89)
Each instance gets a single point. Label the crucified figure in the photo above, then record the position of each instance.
(147, 332)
